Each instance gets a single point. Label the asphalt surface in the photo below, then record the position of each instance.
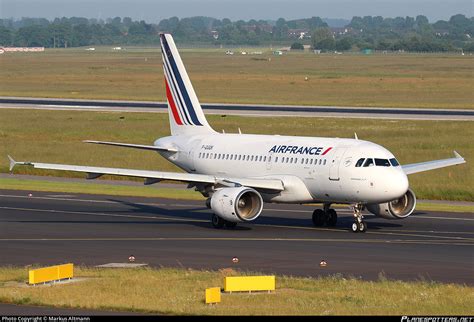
(243, 109)
(51, 228)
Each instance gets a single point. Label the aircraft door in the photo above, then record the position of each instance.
(335, 161)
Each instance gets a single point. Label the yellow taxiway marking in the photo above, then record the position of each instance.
(83, 213)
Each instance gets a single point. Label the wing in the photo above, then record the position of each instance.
(430, 165)
(156, 176)
(134, 146)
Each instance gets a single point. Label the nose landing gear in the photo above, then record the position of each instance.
(359, 225)
(327, 216)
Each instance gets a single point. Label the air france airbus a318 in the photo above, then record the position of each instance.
(239, 172)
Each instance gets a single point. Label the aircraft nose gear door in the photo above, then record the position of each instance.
(334, 162)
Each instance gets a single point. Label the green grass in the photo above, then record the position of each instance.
(431, 81)
(56, 137)
(181, 292)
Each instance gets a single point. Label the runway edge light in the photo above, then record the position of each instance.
(213, 295)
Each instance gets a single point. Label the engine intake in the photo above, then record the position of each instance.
(237, 204)
(396, 209)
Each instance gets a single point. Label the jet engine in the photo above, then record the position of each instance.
(396, 209)
(237, 204)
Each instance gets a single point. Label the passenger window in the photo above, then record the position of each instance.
(265, 159)
(324, 161)
(368, 163)
(394, 162)
(382, 163)
(360, 162)
(276, 159)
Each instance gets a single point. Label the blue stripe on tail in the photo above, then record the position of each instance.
(189, 106)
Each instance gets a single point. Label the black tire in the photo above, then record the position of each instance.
(331, 219)
(230, 224)
(217, 222)
(362, 227)
(318, 217)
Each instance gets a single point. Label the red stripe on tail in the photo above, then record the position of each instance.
(172, 105)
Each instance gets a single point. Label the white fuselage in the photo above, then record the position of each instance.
(311, 168)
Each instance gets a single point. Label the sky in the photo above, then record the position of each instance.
(155, 10)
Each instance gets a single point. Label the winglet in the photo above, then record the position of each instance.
(457, 155)
(12, 163)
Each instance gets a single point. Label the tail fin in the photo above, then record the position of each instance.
(185, 112)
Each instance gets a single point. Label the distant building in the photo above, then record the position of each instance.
(341, 31)
(22, 49)
(215, 34)
(299, 33)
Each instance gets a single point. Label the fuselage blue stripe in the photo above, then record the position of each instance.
(181, 85)
(175, 90)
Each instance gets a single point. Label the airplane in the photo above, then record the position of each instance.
(238, 173)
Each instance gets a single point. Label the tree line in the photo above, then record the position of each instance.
(379, 33)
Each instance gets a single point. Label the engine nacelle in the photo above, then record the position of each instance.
(396, 209)
(237, 204)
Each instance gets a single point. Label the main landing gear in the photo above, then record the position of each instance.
(359, 225)
(327, 216)
(218, 222)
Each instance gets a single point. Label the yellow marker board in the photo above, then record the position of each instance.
(213, 295)
(249, 283)
(52, 273)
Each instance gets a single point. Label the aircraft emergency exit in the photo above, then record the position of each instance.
(239, 172)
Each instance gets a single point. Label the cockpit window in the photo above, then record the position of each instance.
(359, 162)
(382, 163)
(394, 162)
(369, 163)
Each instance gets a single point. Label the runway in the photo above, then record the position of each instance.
(51, 228)
(242, 109)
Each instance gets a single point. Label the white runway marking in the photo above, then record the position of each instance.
(319, 240)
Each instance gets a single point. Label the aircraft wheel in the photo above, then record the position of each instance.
(318, 217)
(355, 227)
(362, 227)
(331, 220)
(217, 222)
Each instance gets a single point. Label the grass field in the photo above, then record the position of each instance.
(55, 136)
(434, 81)
(181, 292)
